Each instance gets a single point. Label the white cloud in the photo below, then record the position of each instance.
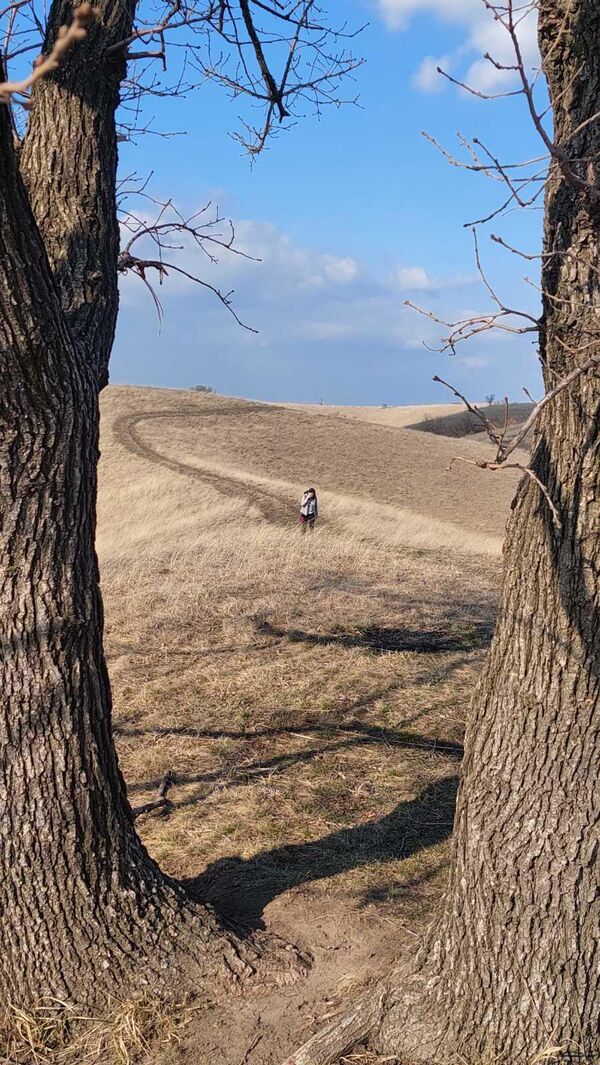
(489, 37)
(299, 293)
(413, 278)
(397, 13)
(407, 279)
(482, 35)
(427, 77)
(474, 362)
(341, 270)
(326, 322)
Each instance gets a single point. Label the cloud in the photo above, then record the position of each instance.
(427, 77)
(413, 278)
(482, 35)
(397, 13)
(409, 279)
(297, 293)
(329, 324)
(474, 362)
(340, 270)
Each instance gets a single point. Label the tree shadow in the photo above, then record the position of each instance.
(356, 734)
(242, 888)
(344, 724)
(469, 636)
(333, 720)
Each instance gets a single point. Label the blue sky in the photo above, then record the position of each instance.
(350, 215)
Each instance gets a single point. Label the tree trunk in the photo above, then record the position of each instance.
(86, 914)
(513, 967)
(69, 164)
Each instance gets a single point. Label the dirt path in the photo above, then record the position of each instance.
(273, 507)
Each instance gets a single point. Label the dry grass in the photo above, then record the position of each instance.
(399, 417)
(365, 463)
(57, 1034)
(307, 693)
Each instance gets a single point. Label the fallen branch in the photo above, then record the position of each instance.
(161, 796)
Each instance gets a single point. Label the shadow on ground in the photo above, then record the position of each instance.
(244, 887)
(345, 737)
(466, 637)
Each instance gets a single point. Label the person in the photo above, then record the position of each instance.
(309, 509)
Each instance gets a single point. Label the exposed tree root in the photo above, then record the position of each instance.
(255, 960)
(345, 1032)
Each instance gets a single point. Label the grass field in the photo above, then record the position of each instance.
(307, 694)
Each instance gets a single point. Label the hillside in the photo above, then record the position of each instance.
(388, 415)
(243, 441)
(464, 423)
(306, 695)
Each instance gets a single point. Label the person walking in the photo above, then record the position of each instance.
(309, 510)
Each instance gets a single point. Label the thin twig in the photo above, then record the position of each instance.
(83, 17)
(161, 796)
(493, 466)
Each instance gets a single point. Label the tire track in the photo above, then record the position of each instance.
(273, 507)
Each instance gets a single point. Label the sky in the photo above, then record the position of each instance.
(349, 215)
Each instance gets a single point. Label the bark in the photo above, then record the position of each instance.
(69, 163)
(511, 968)
(86, 914)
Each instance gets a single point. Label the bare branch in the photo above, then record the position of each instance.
(477, 92)
(274, 93)
(488, 426)
(160, 233)
(504, 448)
(493, 466)
(557, 151)
(83, 17)
(562, 386)
(466, 328)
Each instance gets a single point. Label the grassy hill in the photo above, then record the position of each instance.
(307, 695)
(354, 465)
(464, 423)
(383, 415)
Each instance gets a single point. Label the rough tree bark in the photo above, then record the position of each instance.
(85, 912)
(69, 164)
(511, 967)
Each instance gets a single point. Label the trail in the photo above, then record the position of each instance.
(273, 507)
